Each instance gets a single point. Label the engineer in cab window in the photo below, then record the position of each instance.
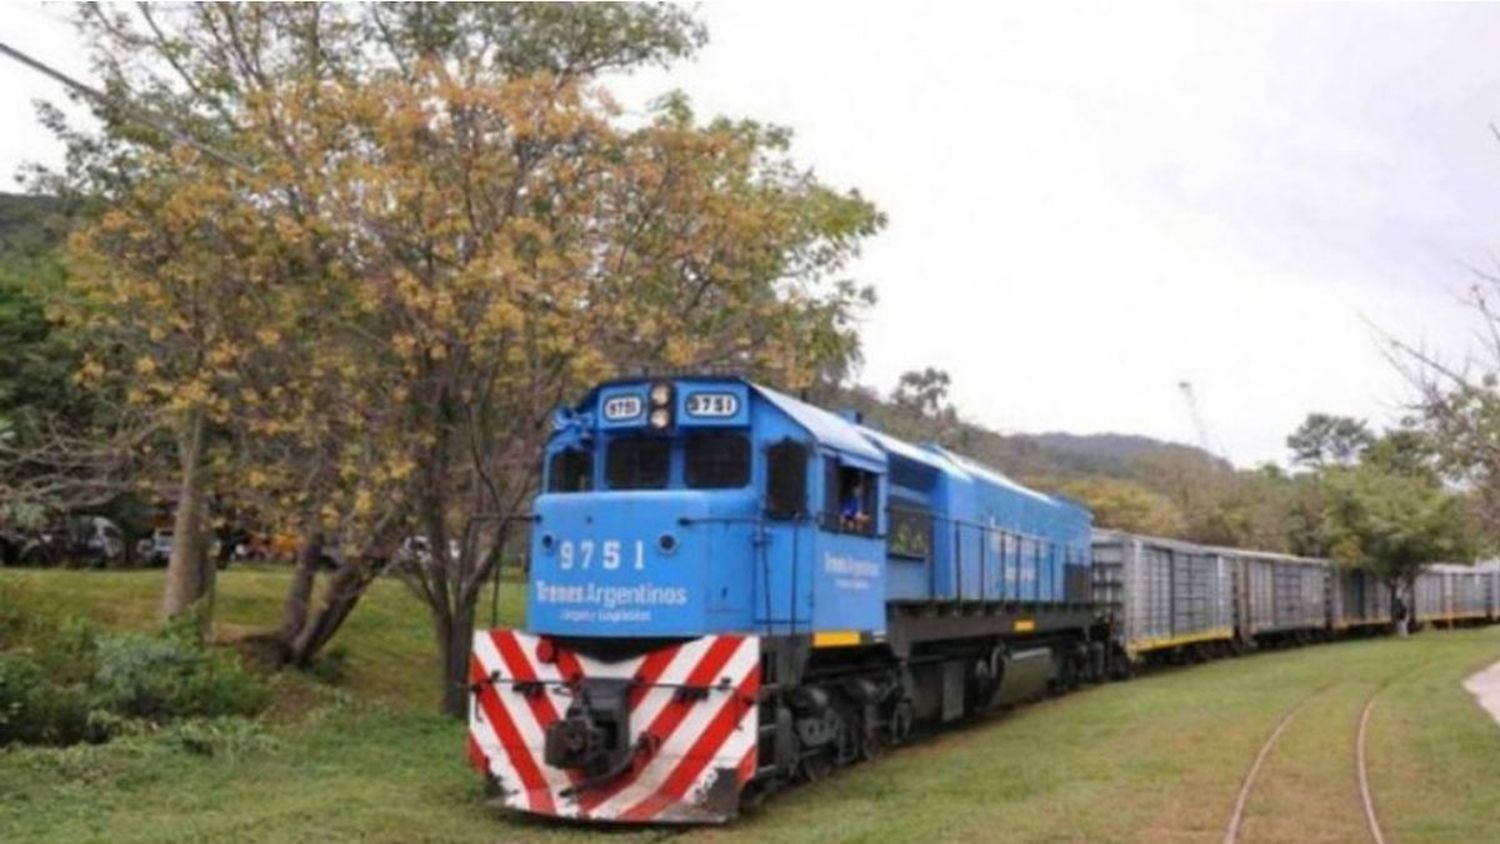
(852, 508)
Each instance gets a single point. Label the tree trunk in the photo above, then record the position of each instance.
(1399, 609)
(190, 575)
(455, 635)
(294, 610)
(341, 595)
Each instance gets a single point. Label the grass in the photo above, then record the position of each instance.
(1156, 759)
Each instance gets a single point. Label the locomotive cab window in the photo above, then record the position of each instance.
(570, 471)
(850, 499)
(909, 526)
(639, 463)
(786, 480)
(716, 461)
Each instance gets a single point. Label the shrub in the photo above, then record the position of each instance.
(35, 708)
(62, 682)
(159, 678)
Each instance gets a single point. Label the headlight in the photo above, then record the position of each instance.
(661, 418)
(661, 394)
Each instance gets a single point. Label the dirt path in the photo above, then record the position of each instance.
(1485, 687)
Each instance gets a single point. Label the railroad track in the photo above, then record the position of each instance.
(1247, 785)
(1361, 757)
(1366, 795)
(1235, 827)
(1372, 820)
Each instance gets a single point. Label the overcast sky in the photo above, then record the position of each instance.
(1091, 203)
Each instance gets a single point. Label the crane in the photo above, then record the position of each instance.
(1191, 397)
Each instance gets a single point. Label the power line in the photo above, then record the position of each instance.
(131, 111)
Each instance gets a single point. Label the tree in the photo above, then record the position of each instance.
(35, 370)
(433, 250)
(1457, 407)
(1404, 451)
(1394, 523)
(925, 391)
(1324, 439)
(1124, 505)
(1306, 505)
(62, 448)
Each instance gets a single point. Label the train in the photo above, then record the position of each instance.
(731, 590)
(1174, 601)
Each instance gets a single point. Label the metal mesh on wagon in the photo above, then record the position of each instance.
(1285, 593)
(1360, 599)
(1167, 593)
(1430, 601)
(1450, 592)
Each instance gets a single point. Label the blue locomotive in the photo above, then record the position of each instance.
(731, 589)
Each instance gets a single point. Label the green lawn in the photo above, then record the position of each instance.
(1157, 759)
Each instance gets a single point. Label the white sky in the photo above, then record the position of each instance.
(1091, 203)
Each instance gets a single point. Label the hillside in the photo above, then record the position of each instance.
(1108, 454)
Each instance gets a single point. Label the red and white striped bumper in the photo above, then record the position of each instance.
(693, 727)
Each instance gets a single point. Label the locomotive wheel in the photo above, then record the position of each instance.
(901, 720)
(816, 767)
(871, 743)
(755, 794)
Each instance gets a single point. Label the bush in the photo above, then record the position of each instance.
(35, 709)
(159, 678)
(62, 682)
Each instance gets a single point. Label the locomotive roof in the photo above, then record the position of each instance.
(983, 472)
(830, 429)
(901, 448)
(942, 460)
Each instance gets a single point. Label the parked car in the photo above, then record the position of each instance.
(81, 540)
(156, 549)
(417, 549)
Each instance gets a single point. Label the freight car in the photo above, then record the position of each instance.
(1281, 598)
(1169, 600)
(1359, 602)
(1452, 595)
(730, 590)
(1175, 601)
